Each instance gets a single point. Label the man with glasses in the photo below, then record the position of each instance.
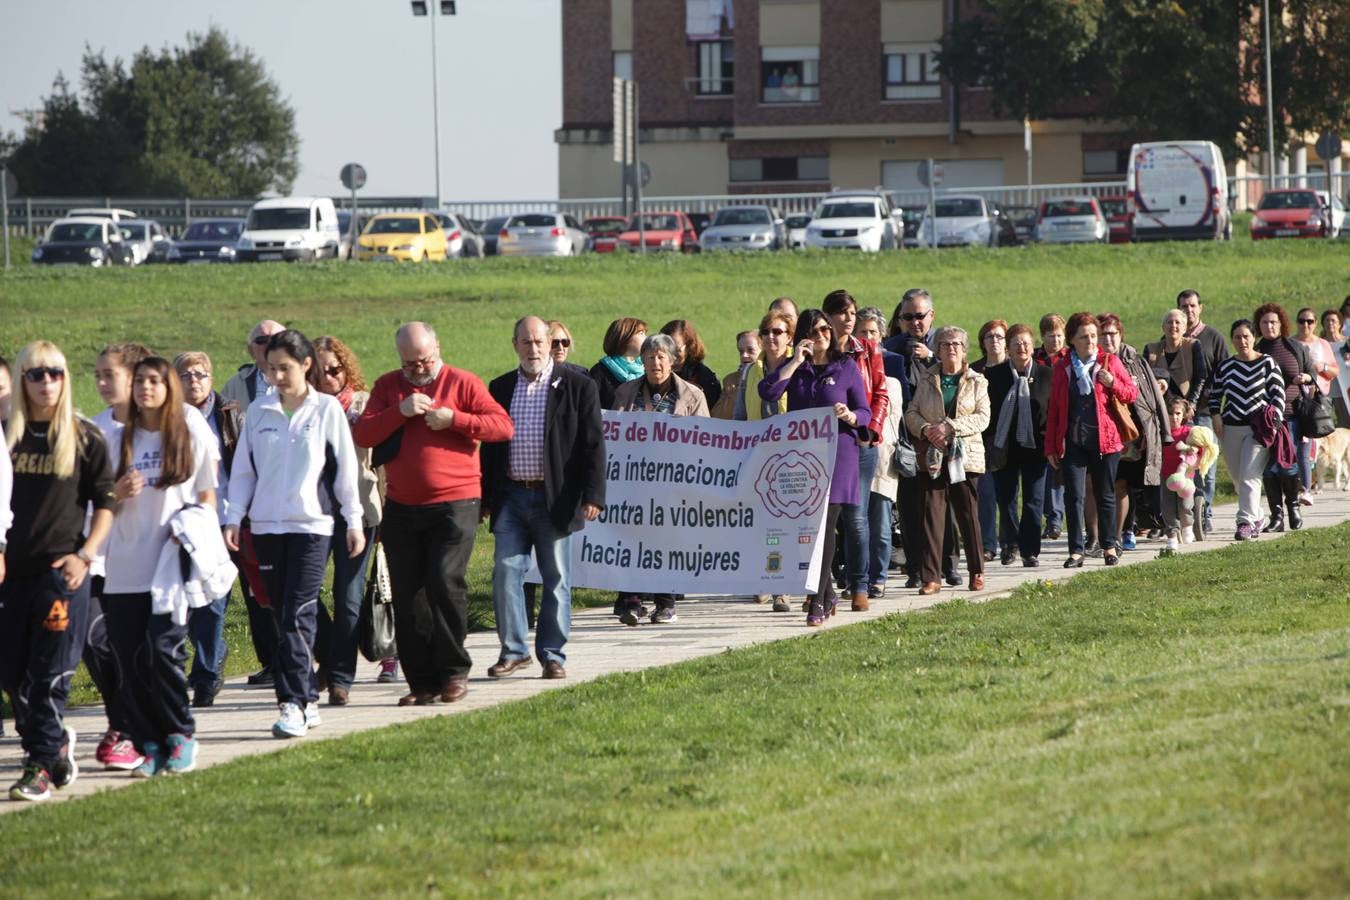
(424, 423)
(250, 382)
(1215, 348)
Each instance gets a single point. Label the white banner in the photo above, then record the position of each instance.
(707, 506)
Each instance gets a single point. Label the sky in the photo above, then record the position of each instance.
(499, 64)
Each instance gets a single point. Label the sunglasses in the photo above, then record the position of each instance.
(39, 374)
(195, 376)
(261, 340)
(333, 371)
(560, 343)
(914, 317)
(824, 329)
(776, 332)
(1307, 321)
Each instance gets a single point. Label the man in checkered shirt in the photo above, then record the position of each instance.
(542, 485)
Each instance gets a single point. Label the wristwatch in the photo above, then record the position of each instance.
(85, 556)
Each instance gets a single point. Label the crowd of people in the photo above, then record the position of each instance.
(122, 537)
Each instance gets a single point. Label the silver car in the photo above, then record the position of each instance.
(796, 229)
(461, 237)
(745, 228)
(541, 234)
(1072, 220)
(146, 238)
(960, 221)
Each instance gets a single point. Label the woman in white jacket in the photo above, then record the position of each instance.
(164, 460)
(294, 463)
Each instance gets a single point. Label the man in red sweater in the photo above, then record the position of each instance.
(425, 423)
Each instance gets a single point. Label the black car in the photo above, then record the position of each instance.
(84, 241)
(210, 240)
(491, 230)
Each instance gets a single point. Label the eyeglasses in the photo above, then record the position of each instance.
(1307, 321)
(776, 332)
(425, 362)
(823, 329)
(1107, 334)
(333, 371)
(914, 317)
(39, 374)
(951, 345)
(995, 336)
(261, 340)
(560, 343)
(195, 376)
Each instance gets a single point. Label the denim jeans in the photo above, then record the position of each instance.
(998, 524)
(1052, 503)
(879, 522)
(1078, 464)
(1208, 478)
(206, 632)
(337, 635)
(857, 531)
(522, 523)
(1032, 476)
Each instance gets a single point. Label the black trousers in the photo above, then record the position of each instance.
(909, 498)
(292, 567)
(104, 668)
(152, 651)
(428, 550)
(43, 625)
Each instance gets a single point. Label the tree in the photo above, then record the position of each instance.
(204, 120)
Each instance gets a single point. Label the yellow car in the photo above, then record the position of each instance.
(411, 237)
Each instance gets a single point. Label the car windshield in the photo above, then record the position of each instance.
(445, 219)
(396, 225)
(82, 232)
(653, 222)
(133, 231)
(854, 210)
(278, 219)
(742, 217)
(1059, 208)
(959, 208)
(212, 231)
(798, 221)
(604, 226)
(1289, 200)
(1113, 207)
(537, 220)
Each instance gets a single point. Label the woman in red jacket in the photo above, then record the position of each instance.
(1081, 435)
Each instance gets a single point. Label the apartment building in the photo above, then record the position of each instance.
(776, 96)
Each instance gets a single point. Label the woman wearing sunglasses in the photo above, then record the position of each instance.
(60, 464)
(560, 342)
(819, 375)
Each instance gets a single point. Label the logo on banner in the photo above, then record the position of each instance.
(793, 484)
(773, 563)
(804, 538)
(771, 541)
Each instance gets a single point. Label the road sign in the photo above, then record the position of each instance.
(922, 173)
(1329, 145)
(353, 176)
(620, 122)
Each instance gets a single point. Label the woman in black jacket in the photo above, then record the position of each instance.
(1019, 393)
(1296, 366)
(689, 354)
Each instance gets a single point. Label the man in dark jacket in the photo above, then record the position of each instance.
(542, 485)
(1215, 347)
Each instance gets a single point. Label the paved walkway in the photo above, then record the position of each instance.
(239, 724)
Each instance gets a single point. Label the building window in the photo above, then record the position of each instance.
(623, 64)
(790, 74)
(716, 67)
(781, 168)
(910, 71)
(1105, 162)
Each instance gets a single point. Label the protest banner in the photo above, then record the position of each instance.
(697, 505)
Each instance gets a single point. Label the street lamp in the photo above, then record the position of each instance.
(421, 8)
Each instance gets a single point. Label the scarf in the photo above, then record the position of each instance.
(1019, 400)
(1083, 373)
(344, 397)
(623, 368)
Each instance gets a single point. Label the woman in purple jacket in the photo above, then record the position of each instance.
(818, 375)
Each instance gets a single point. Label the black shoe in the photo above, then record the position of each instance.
(1051, 534)
(1009, 554)
(1112, 558)
(1031, 562)
(261, 678)
(203, 697)
(952, 579)
(990, 555)
(1095, 552)
(1073, 562)
(1295, 519)
(912, 581)
(65, 770)
(1276, 523)
(875, 592)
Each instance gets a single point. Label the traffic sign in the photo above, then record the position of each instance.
(353, 176)
(1329, 146)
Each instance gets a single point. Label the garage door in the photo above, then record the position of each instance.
(902, 174)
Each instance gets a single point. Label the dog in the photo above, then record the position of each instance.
(1333, 453)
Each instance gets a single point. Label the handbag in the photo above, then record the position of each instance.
(375, 626)
(1125, 424)
(905, 459)
(1316, 416)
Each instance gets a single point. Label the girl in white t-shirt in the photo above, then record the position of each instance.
(164, 462)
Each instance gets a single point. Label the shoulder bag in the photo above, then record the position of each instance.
(375, 625)
(1316, 416)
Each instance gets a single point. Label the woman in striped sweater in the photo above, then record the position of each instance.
(1244, 384)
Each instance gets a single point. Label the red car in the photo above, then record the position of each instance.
(1289, 212)
(1118, 218)
(663, 231)
(604, 232)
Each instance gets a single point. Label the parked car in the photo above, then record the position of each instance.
(755, 227)
(1072, 220)
(861, 220)
(1290, 212)
(1118, 218)
(604, 232)
(146, 238)
(1178, 190)
(962, 220)
(661, 230)
(461, 238)
(345, 232)
(210, 240)
(796, 230)
(401, 237)
(541, 234)
(1334, 210)
(83, 241)
(102, 212)
(1023, 220)
(290, 229)
(700, 221)
(491, 230)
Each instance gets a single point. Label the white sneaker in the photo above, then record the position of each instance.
(292, 722)
(312, 717)
(1172, 544)
(1188, 535)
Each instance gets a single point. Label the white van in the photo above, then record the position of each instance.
(290, 228)
(1178, 190)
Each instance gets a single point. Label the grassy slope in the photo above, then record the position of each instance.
(1178, 734)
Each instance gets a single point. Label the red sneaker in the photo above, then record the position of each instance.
(123, 755)
(105, 745)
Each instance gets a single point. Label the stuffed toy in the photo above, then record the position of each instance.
(1182, 481)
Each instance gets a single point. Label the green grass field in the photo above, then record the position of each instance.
(1176, 728)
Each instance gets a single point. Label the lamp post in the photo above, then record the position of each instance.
(422, 8)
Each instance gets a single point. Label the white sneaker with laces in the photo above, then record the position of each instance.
(292, 722)
(312, 717)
